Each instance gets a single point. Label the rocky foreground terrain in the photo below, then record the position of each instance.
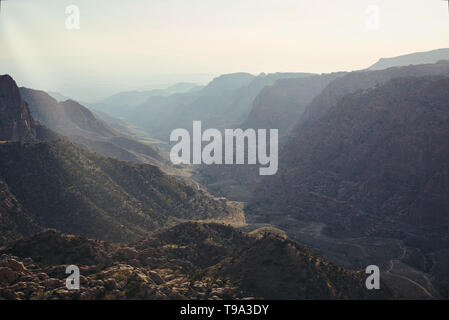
(189, 261)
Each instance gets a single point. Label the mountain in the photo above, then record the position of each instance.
(223, 103)
(53, 183)
(125, 127)
(67, 117)
(189, 261)
(227, 83)
(369, 172)
(160, 115)
(66, 187)
(125, 101)
(279, 105)
(77, 123)
(412, 59)
(58, 96)
(291, 103)
(16, 122)
(361, 80)
(288, 271)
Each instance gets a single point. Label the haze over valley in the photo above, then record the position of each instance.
(359, 109)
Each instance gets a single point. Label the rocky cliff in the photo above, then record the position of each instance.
(16, 122)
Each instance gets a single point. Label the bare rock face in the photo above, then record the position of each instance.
(16, 122)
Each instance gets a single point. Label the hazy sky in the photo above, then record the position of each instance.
(135, 44)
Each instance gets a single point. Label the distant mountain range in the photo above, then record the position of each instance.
(279, 105)
(412, 59)
(223, 103)
(124, 102)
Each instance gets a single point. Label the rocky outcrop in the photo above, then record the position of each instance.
(16, 122)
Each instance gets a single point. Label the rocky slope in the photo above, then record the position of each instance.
(286, 270)
(81, 126)
(66, 187)
(361, 80)
(191, 261)
(373, 165)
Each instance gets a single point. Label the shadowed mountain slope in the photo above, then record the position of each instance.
(290, 104)
(77, 123)
(288, 271)
(66, 187)
(15, 222)
(374, 165)
(361, 80)
(280, 105)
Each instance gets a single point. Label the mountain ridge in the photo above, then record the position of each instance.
(416, 58)
(81, 126)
